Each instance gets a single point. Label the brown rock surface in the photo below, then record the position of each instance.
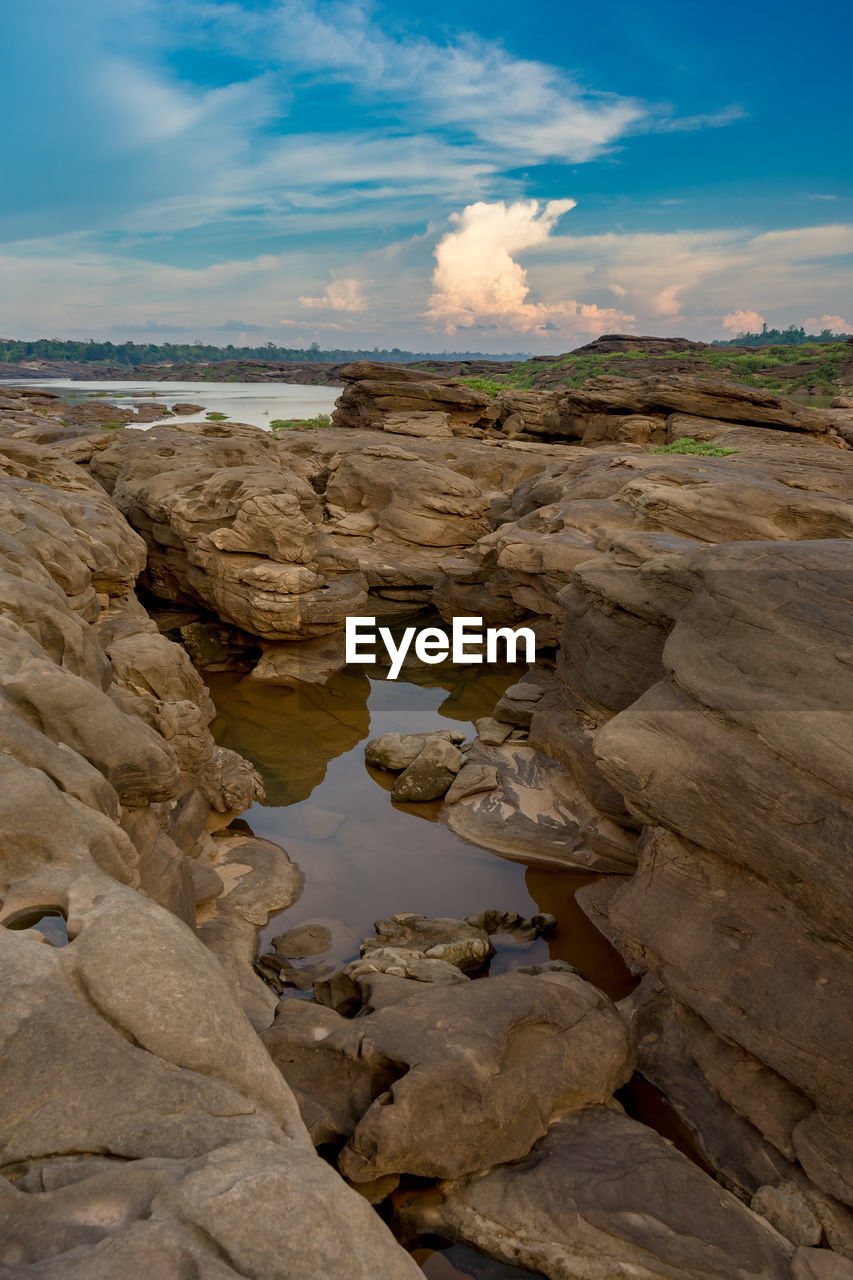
(603, 1196)
(415, 1087)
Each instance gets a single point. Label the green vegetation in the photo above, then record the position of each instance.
(694, 448)
(792, 336)
(487, 385)
(277, 425)
(130, 355)
(815, 368)
(217, 417)
(111, 426)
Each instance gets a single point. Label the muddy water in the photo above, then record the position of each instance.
(364, 857)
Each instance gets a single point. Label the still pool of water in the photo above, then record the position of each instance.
(257, 403)
(364, 857)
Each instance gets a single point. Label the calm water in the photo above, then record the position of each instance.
(364, 857)
(257, 403)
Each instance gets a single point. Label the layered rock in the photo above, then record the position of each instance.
(387, 396)
(140, 1113)
(603, 1198)
(415, 1086)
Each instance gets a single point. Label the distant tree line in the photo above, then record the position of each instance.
(793, 336)
(129, 355)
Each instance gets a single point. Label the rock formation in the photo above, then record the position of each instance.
(687, 733)
(144, 1129)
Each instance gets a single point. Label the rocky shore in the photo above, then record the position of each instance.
(687, 735)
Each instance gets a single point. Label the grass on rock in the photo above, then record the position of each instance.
(693, 448)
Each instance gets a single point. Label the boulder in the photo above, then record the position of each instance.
(415, 1086)
(396, 751)
(373, 391)
(429, 775)
(603, 1196)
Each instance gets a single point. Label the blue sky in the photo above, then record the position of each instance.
(487, 176)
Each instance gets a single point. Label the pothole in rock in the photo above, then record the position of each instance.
(49, 921)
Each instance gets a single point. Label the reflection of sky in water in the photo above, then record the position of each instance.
(257, 403)
(365, 858)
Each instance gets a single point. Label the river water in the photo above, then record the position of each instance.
(257, 403)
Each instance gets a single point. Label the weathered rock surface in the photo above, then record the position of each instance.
(249, 1209)
(602, 1197)
(374, 393)
(416, 1086)
(536, 813)
(143, 1127)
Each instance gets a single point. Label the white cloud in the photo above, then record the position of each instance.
(477, 281)
(340, 295)
(501, 271)
(835, 323)
(743, 322)
(518, 107)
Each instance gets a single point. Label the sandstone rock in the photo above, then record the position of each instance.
(305, 940)
(174, 1218)
(470, 781)
(820, 1264)
(430, 774)
(428, 424)
(536, 813)
(372, 391)
(403, 963)
(787, 1210)
(492, 732)
(601, 1195)
(456, 942)
(396, 751)
(522, 1048)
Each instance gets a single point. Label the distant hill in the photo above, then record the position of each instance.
(818, 368)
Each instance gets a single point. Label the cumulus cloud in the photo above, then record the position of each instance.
(743, 321)
(835, 323)
(339, 295)
(477, 281)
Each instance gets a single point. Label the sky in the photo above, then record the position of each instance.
(489, 177)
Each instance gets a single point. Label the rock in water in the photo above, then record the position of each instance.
(430, 774)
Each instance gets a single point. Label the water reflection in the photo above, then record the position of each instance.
(365, 857)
